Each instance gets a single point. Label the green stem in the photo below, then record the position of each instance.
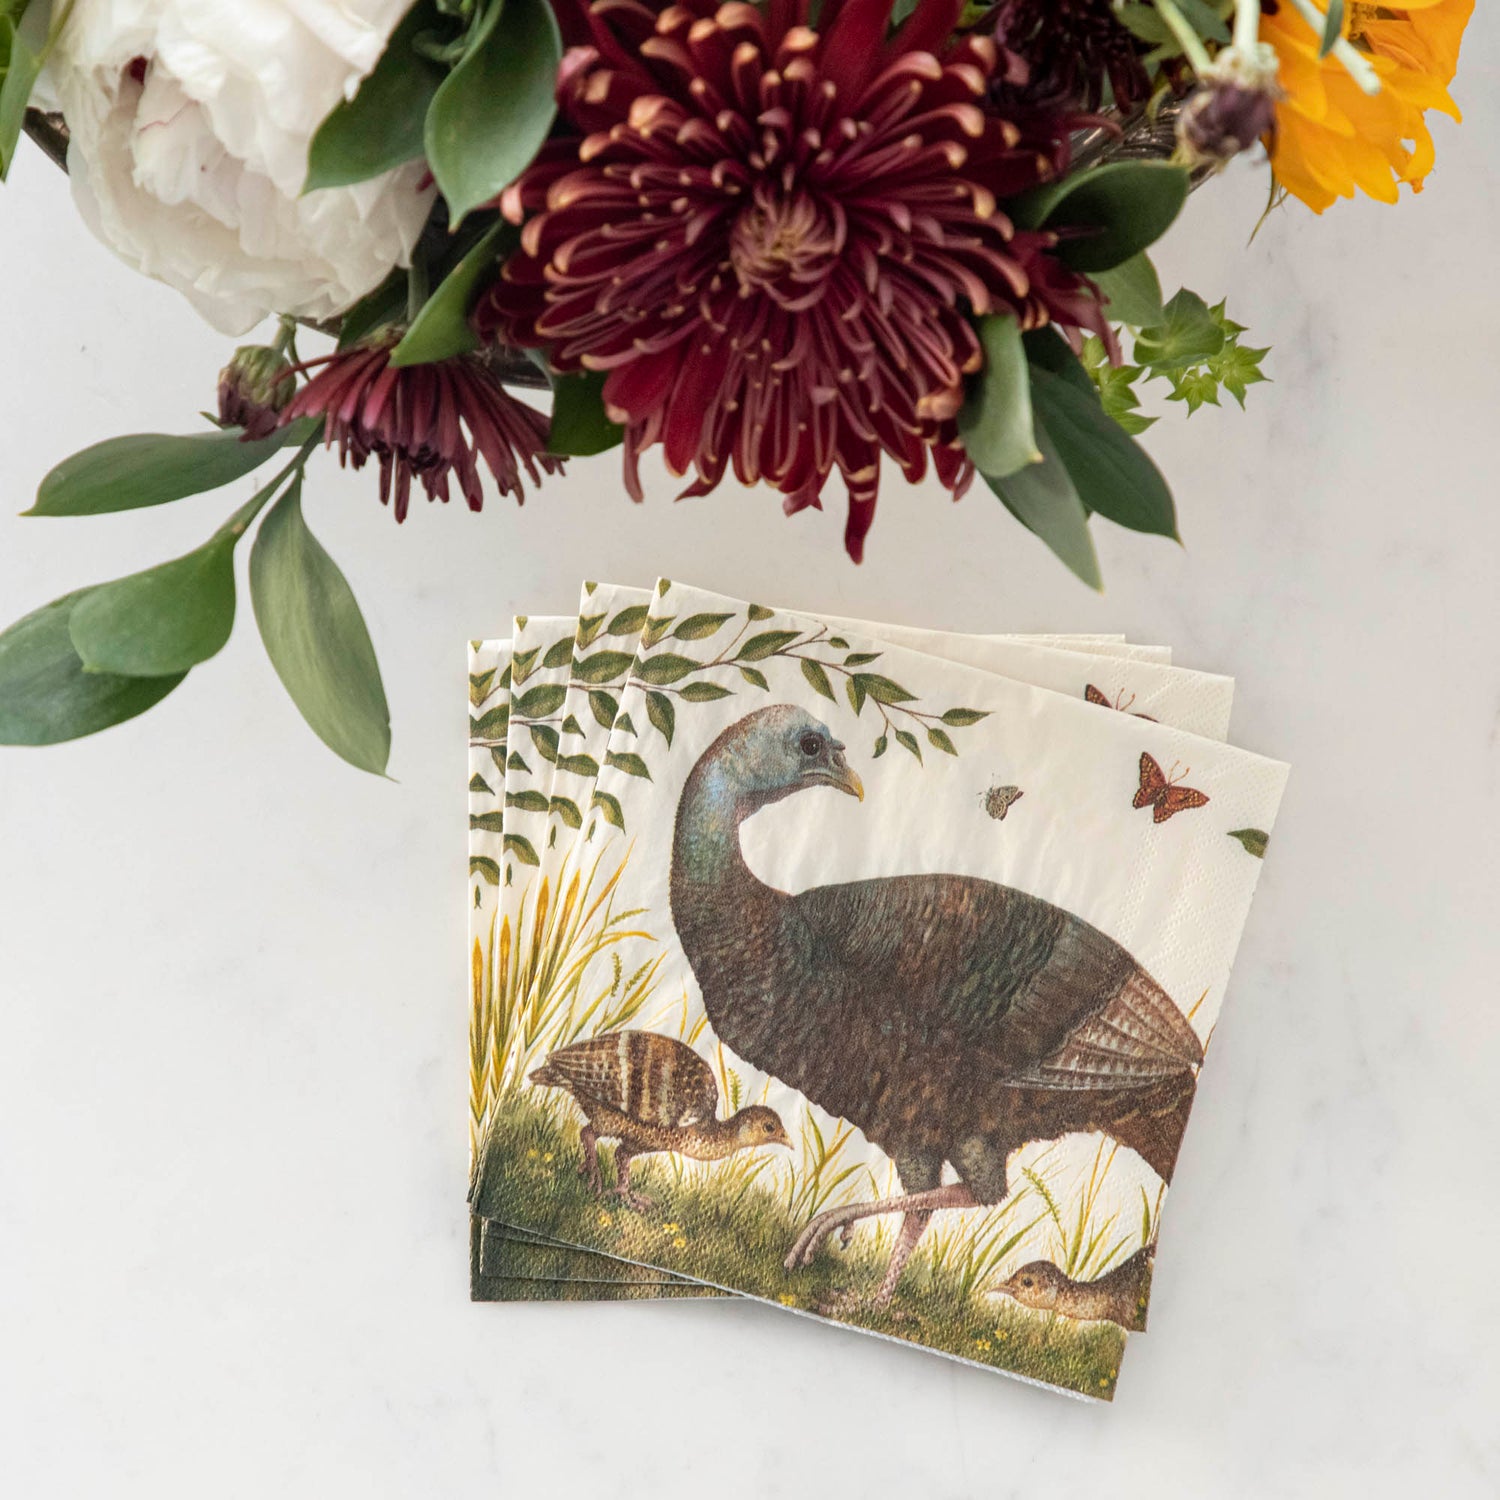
(286, 334)
(1246, 25)
(239, 523)
(1188, 39)
(1356, 64)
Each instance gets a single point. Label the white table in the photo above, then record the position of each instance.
(232, 1071)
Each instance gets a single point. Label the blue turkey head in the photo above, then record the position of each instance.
(780, 750)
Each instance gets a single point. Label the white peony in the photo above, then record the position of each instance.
(190, 123)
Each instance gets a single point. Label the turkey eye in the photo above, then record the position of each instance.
(811, 744)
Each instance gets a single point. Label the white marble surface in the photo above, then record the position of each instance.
(232, 1076)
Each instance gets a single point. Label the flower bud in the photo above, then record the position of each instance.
(254, 389)
(1233, 107)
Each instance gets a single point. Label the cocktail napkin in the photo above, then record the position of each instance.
(1005, 961)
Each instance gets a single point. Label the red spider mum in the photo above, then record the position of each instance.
(425, 422)
(774, 239)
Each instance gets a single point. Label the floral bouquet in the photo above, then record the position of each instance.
(783, 238)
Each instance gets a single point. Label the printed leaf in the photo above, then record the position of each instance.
(522, 848)
(486, 868)
(477, 783)
(940, 741)
(127, 473)
(567, 810)
(559, 654)
(662, 714)
(441, 327)
(630, 764)
(544, 738)
(523, 661)
(604, 707)
(817, 677)
(856, 691)
(860, 658)
(656, 630)
(659, 670)
(963, 717)
(527, 801)
(704, 692)
(589, 627)
(602, 666)
(624, 724)
(316, 638)
(580, 425)
(578, 765)
(160, 621)
(1255, 840)
(755, 678)
(570, 725)
(381, 126)
(515, 763)
(491, 725)
(497, 754)
(481, 685)
(1132, 292)
(536, 703)
(609, 807)
(490, 822)
(700, 627)
(995, 419)
(629, 621)
(882, 689)
(493, 111)
(881, 746)
(47, 697)
(908, 741)
(767, 643)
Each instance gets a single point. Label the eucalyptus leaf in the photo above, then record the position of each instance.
(316, 637)
(441, 328)
(493, 111)
(580, 425)
(381, 126)
(46, 695)
(1043, 499)
(126, 473)
(995, 419)
(1132, 292)
(162, 620)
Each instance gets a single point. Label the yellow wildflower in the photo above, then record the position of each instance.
(1331, 137)
(787, 1300)
(546, 1155)
(606, 1218)
(982, 1344)
(670, 1228)
(531, 1155)
(679, 1242)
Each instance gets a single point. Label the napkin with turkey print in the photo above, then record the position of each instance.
(944, 1050)
(610, 619)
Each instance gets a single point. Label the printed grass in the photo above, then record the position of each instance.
(733, 1230)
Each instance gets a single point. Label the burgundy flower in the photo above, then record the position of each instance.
(424, 421)
(1061, 54)
(774, 240)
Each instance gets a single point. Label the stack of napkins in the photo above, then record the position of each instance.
(862, 970)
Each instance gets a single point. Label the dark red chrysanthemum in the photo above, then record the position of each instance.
(424, 421)
(773, 239)
(1068, 55)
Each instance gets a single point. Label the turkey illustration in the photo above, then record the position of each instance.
(951, 1019)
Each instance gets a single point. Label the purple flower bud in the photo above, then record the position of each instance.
(254, 389)
(1224, 117)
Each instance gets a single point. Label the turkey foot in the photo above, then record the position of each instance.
(588, 1168)
(638, 1201)
(954, 1195)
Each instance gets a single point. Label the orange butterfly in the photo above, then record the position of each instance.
(1093, 695)
(1163, 796)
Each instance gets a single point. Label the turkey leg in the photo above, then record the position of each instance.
(588, 1168)
(638, 1201)
(916, 1206)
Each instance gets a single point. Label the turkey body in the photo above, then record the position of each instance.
(950, 1018)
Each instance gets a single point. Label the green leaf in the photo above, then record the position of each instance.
(559, 654)
(940, 741)
(1132, 292)
(589, 627)
(126, 473)
(1116, 387)
(567, 810)
(1118, 210)
(545, 738)
(523, 661)
(629, 621)
(1195, 387)
(1255, 840)
(860, 658)
(580, 425)
(908, 741)
(817, 677)
(1048, 350)
(491, 725)
(490, 822)
(602, 666)
(755, 678)
(760, 612)
(528, 801)
(856, 691)
(630, 764)
(494, 110)
(609, 806)
(623, 724)
(162, 620)
(660, 670)
(477, 783)
(662, 713)
(486, 868)
(1109, 470)
(882, 689)
(538, 702)
(381, 126)
(377, 309)
(47, 697)
(1333, 27)
(604, 707)
(655, 631)
(961, 718)
(1043, 499)
(316, 638)
(441, 327)
(522, 848)
(1187, 335)
(700, 627)
(881, 746)
(995, 419)
(704, 692)
(24, 43)
(767, 643)
(578, 765)
(481, 685)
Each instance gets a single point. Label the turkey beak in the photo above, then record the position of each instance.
(846, 780)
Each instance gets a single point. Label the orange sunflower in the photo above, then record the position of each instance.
(1332, 137)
